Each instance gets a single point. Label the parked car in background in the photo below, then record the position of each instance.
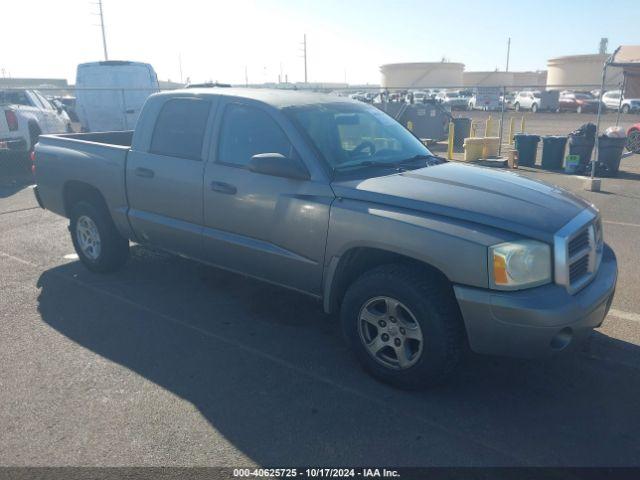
(110, 95)
(633, 138)
(333, 198)
(536, 100)
(611, 101)
(527, 100)
(421, 97)
(509, 99)
(485, 98)
(453, 100)
(25, 115)
(577, 102)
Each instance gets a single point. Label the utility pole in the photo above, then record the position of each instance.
(508, 53)
(246, 76)
(104, 38)
(304, 53)
(180, 64)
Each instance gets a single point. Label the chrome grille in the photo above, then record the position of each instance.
(578, 251)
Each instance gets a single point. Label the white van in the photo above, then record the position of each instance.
(110, 94)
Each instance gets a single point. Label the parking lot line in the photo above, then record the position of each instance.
(634, 317)
(279, 361)
(625, 224)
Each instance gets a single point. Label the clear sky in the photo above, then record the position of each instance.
(346, 38)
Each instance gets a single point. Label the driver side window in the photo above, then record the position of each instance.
(247, 131)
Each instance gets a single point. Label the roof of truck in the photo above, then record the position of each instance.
(274, 97)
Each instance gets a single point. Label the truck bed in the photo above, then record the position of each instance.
(67, 162)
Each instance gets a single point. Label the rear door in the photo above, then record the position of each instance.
(266, 226)
(164, 178)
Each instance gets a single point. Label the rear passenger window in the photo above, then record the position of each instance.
(248, 131)
(180, 127)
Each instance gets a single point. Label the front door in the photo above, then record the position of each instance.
(164, 182)
(266, 226)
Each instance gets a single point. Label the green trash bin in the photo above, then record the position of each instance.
(553, 151)
(527, 146)
(582, 146)
(610, 151)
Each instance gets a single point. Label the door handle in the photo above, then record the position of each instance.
(223, 187)
(144, 172)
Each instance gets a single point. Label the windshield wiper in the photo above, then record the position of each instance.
(400, 165)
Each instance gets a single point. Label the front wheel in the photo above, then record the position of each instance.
(626, 109)
(516, 107)
(96, 240)
(404, 325)
(579, 109)
(534, 108)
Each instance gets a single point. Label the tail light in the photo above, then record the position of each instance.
(12, 120)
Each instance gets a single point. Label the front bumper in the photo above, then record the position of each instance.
(538, 322)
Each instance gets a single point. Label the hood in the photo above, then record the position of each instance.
(484, 196)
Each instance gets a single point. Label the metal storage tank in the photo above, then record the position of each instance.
(575, 70)
(487, 79)
(422, 75)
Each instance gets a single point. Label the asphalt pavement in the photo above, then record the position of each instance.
(169, 362)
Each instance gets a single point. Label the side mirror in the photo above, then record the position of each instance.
(278, 165)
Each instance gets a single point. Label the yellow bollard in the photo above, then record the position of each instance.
(511, 125)
(522, 125)
(451, 137)
(410, 126)
(487, 127)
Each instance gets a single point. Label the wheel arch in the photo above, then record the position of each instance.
(344, 270)
(75, 191)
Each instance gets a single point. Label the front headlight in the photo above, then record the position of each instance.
(520, 264)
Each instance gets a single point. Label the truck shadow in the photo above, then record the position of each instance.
(268, 370)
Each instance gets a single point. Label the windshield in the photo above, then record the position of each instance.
(351, 136)
(452, 95)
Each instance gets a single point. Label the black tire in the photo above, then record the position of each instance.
(626, 109)
(431, 301)
(114, 249)
(579, 109)
(534, 108)
(516, 107)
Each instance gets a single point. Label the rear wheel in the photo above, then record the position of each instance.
(534, 107)
(579, 109)
(626, 109)
(404, 325)
(96, 240)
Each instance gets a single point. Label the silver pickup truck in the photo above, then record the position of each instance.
(333, 198)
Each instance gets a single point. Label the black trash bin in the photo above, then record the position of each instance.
(527, 146)
(610, 151)
(462, 130)
(581, 146)
(553, 151)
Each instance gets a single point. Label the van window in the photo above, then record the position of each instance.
(180, 127)
(248, 131)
